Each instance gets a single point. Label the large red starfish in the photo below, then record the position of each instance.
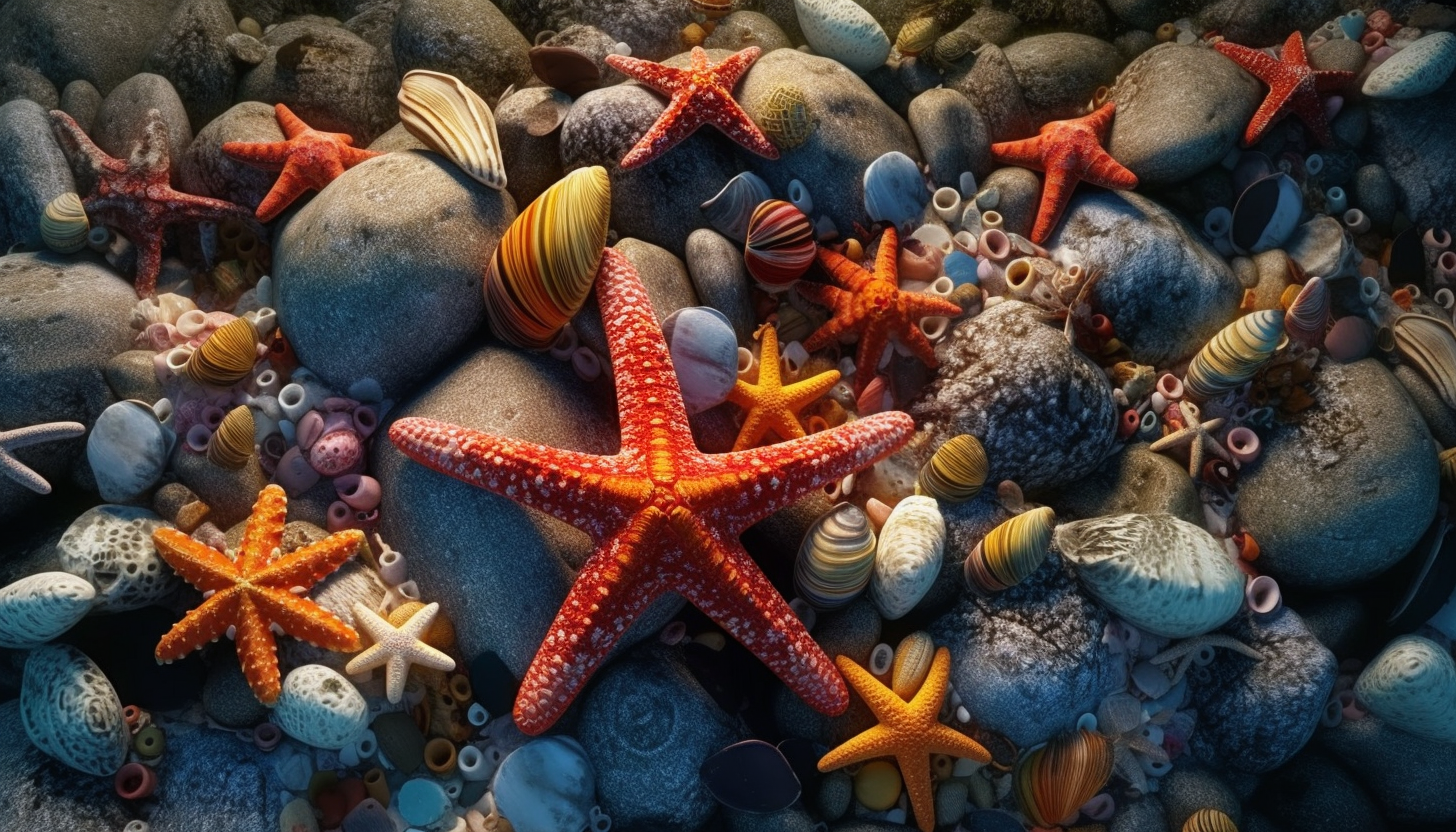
(134, 196)
(872, 305)
(664, 515)
(1294, 87)
(308, 160)
(1067, 151)
(700, 95)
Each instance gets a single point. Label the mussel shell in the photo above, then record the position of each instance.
(439, 110)
(64, 225)
(1052, 782)
(1209, 820)
(226, 357)
(780, 245)
(784, 117)
(731, 208)
(232, 442)
(917, 35)
(1012, 551)
(1429, 344)
(1307, 315)
(956, 472)
(912, 664)
(1234, 355)
(835, 558)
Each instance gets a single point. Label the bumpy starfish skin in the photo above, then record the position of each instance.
(33, 435)
(771, 406)
(908, 731)
(397, 648)
(134, 197)
(253, 592)
(1067, 151)
(1198, 436)
(308, 160)
(1294, 87)
(871, 305)
(664, 516)
(700, 95)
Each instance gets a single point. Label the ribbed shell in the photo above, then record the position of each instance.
(954, 45)
(446, 115)
(836, 558)
(1429, 344)
(1054, 781)
(712, 9)
(912, 664)
(1012, 551)
(780, 245)
(63, 224)
(226, 357)
(956, 472)
(1234, 355)
(543, 270)
(730, 209)
(1412, 686)
(1307, 316)
(232, 442)
(917, 35)
(908, 557)
(785, 117)
(1448, 467)
(1209, 820)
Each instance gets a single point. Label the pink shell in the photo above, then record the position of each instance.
(295, 473)
(1306, 317)
(337, 453)
(1350, 339)
(310, 429)
(780, 244)
(358, 492)
(919, 261)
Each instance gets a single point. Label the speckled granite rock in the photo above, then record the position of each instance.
(742, 29)
(123, 116)
(18, 81)
(1142, 815)
(1263, 22)
(952, 134)
(1314, 794)
(720, 279)
(1134, 481)
(1191, 786)
(1439, 418)
(64, 41)
(1412, 139)
(1018, 197)
(192, 53)
(1405, 773)
(472, 41)
(529, 126)
(1059, 72)
(651, 27)
(82, 100)
(206, 170)
(990, 83)
(33, 171)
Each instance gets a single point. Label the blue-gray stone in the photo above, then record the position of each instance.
(33, 171)
(1409, 776)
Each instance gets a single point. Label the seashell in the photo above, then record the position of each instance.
(704, 353)
(1430, 345)
(1234, 355)
(543, 270)
(1419, 68)
(1162, 574)
(70, 711)
(1052, 782)
(844, 31)
(63, 224)
(226, 357)
(1266, 214)
(730, 210)
(712, 9)
(894, 189)
(748, 776)
(954, 45)
(1250, 168)
(1448, 468)
(1412, 686)
(127, 450)
(835, 558)
(911, 664)
(784, 117)
(908, 556)
(564, 68)
(955, 472)
(446, 115)
(38, 608)
(318, 707)
(546, 784)
(1012, 551)
(780, 246)
(1350, 339)
(916, 36)
(1307, 315)
(1209, 820)
(232, 443)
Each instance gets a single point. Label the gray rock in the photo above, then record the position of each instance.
(1343, 490)
(990, 83)
(1019, 200)
(1439, 418)
(1142, 815)
(192, 52)
(1342, 621)
(99, 41)
(82, 101)
(1375, 193)
(742, 29)
(952, 134)
(18, 81)
(1351, 125)
(1150, 14)
(33, 171)
(353, 284)
(1165, 291)
(123, 117)
(1314, 794)
(1135, 481)
(396, 139)
(1412, 140)
(990, 25)
(1407, 774)
(528, 124)
(1322, 246)
(720, 279)
(229, 494)
(206, 170)
(1075, 15)
(653, 28)
(226, 697)
(792, 819)
(1059, 72)
(133, 375)
(1340, 55)
(471, 40)
(1263, 22)
(782, 12)
(1191, 786)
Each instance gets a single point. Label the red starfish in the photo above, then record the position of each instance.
(309, 160)
(1293, 87)
(700, 95)
(872, 305)
(134, 196)
(664, 515)
(1067, 151)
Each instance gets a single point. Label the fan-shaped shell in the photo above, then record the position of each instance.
(1209, 820)
(785, 118)
(1412, 686)
(780, 245)
(1054, 781)
(1234, 355)
(1430, 344)
(916, 36)
(446, 115)
(1012, 551)
(226, 357)
(730, 209)
(908, 556)
(956, 472)
(542, 272)
(836, 558)
(912, 664)
(232, 442)
(1306, 317)
(63, 224)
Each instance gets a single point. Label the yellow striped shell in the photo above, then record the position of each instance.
(916, 36)
(912, 664)
(1209, 820)
(232, 442)
(1448, 467)
(1234, 355)
(63, 224)
(226, 357)
(1430, 344)
(543, 269)
(836, 558)
(1011, 552)
(908, 557)
(446, 115)
(956, 472)
(785, 117)
(1054, 781)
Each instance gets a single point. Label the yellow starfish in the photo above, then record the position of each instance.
(908, 731)
(771, 405)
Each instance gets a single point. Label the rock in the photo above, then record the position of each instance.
(132, 375)
(1340, 54)
(1135, 481)
(952, 134)
(71, 712)
(1165, 291)
(33, 171)
(36, 609)
(1019, 197)
(1439, 418)
(1263, 22)
(742, 29)
(720, 279)
(1411, 685)
(228, 494)
(470, 40)
(192, 52)
(1410, 138)
(226, 697)
(545, 785)
(1142, 815)
(206, 170)
(1191, 786)
(318, 707)
(668, 288)
(111, 547)
(1075, 15)
(82, 101)
(396, 139)
(989, 25)
(123, 117)
(1375, 193)
(24, 82)
(99, 41)
(1322, 246)
(1059, 72)
(353, 583)
(1343, 622)
(1418, 69)
(1340, 494)
(528, 124)
(1405, 773)
(990, 83)
(128, 450)
(1042, 411)
(1314, 793)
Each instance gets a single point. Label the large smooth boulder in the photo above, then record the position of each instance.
(192, 53)
(206, 170)
(1411, 138)
(1059, 72)
(100, 41)
(33, 171)
(469, 39)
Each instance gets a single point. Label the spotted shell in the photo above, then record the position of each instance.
(908, 556)
(1012, 551)
(911, 664)
(232, 442)
(1209, 820)
(731, 208)
(712, 9)
(1053, 782)
(1412, 686)
(1234, 355)
(956, 472)
(916, 36)
(780, 245)
(63, 224)
(446, 115)
(835, 558)
(542, 272)
(1307, 315)
(1429, 344)
(785, 117)
(226, 357)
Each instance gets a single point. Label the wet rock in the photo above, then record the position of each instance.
(100, 41)
(1263, 22)
(1375, 193)
(952, 134)
(1059, 72)
(1405, 773)
(529, 126)
(742, 29)
(33, 171)
(229, 494)
(206, 170)
(990, 83)
(1314, 793)
(470, 40)
(123, 117)
(133, 375)
(226, 697)
(192, 52)
(1135, 481)
(18, 81)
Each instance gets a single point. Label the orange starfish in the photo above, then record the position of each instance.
(248, 595)
(771, 405)
(872, 305)
(308, 160)
(1067, 151)
(1294, 87)
(908, 731)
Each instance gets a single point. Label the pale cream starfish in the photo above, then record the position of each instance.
(33, 435)
(396, 648)
(1197, 435)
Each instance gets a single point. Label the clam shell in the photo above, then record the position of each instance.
(63, 224)
(1412, 686)
(780, 245)
(1209, 820)
(835, 558)
(226, 357)
(446, 115)
(731, 208)
(1052, 782)
(1266, 214)
(1448, 467)
(916, 36)
(1012, 551)
(785, 118)
(956, 472)
(908, 556)
(542, 272)
(711, 9)
(1307, 315)
(1234, 355)
(232, 442)
(894, 189)
(1429, 344)
(912, 664)
(844, 31)
(704, 353)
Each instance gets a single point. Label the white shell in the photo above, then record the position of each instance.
(111, 547)
(1412, 685)
(545, 785)
(446, 115)
(1417, 69)
(908, 556)
(318, 707)
(844, 31)
(36, 609)
(128, 450)
(71, 712)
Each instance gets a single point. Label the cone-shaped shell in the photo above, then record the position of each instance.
(542, 272)
(232, 442)
(446, 115)
(1209, 820)
(956, 472)
(1054, 781)
(912, 664)
(1430, 344)
(785, 118)
(63, 224)
(780, 245)
(908, 557)
(1412, 686)
(1307, 316)
(836, 558)
(916, 36)
(1234, 355)
(226, 357)
(1011, 552)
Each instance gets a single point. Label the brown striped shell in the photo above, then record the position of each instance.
(232, 442)
(912, 664)
(917, 35)
(1234, 355)
(711, 9)
(446, 115)
(786, 118)
(1011, 552)
(226, 357)
(1209, 820)
(1054, 781)
(956, 472)
(63, 224)
(780, 245)
(1430, 344)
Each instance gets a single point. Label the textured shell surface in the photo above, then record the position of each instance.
(37, 608)
(835, 558)
(226, 357)
(446, 115)
(1306, 317)
(1412, 685)
(71, 712)
(1164, 575)
(908, 556)
(917, 35)
(1430, 344)
(1052, 782)
(110, 547)
(1234, 355)
(913, 658)
(64, 225)
(232, 442)
(1209, 820)
(1417, 69)
(844, 31)
(955, 472)
(894, 189)
(704, 353)
(731, 208)
(1011, 551)
(318, 707)
(780, 246)
(785, 116)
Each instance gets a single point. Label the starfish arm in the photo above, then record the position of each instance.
(915, 771)
(148, 261)
(372, 657)
(396, 674)
(36, 434)
(915, 340)
(845, 273)
(1254, 61)
(872, 341)
(676, 123)
(807, 391)
(661, 78)
(867, 745)
(202, 566)
(769, 374)
(919, 305)
(265, 155)
(312, 563)
(1026, 153)
(733, 122)
(887, 258)
(1100, 119)
(884, 703)
(1332, 80)
(426, 656)
(755, 425)
(1294, 49)
(264, 532)
(1310, 110)
(1270, 111)
(372, 623)
(1173, 440)
(257, 652)
(21, 473)
(201, 626)
(944, 739)
(292, 125)
(732, 68)
(419, 623)
(351, 156)
(74, 142)
(1107, 172)
(305, 620)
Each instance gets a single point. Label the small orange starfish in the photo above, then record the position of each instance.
(1294, 87)
(871, 304)
(252, 593)
(908, 731)
(771, 405)
(1067, 151)
(308, 160)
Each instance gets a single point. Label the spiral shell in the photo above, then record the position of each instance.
(1412, 686)
(63, 224)
(1309, 312)
(836, 558)
(1429, 344)
(1012, 551)
(446, 115)
(1209, 820)
(226, 357)
(543, 269)
(908, 556)
(780, 245)
(1234, 355)
(956, 472)
(730, 209)
(232, 442)
(1054, 781)
(785, 117)
(911, 664)
(916, 36)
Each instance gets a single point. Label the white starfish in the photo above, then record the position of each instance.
(397, 648)
(33, 435)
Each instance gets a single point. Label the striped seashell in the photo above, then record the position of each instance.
(731, 208)
(956, 472)
(836, 558)
(1448, 467)
(785, 117)
(63, 224)
(954, 45)
(1234, 355)
(446, 115)
(908, 556)
(1053, 782)
(1412, 686)
(1306, 318)
(1209, 820)
(780, 246)
(1430, 344)
(912, 664)
(226, 357)
(712, 9)
(916, 36)
(232, 442)
(543, 270)
(1012, 551)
